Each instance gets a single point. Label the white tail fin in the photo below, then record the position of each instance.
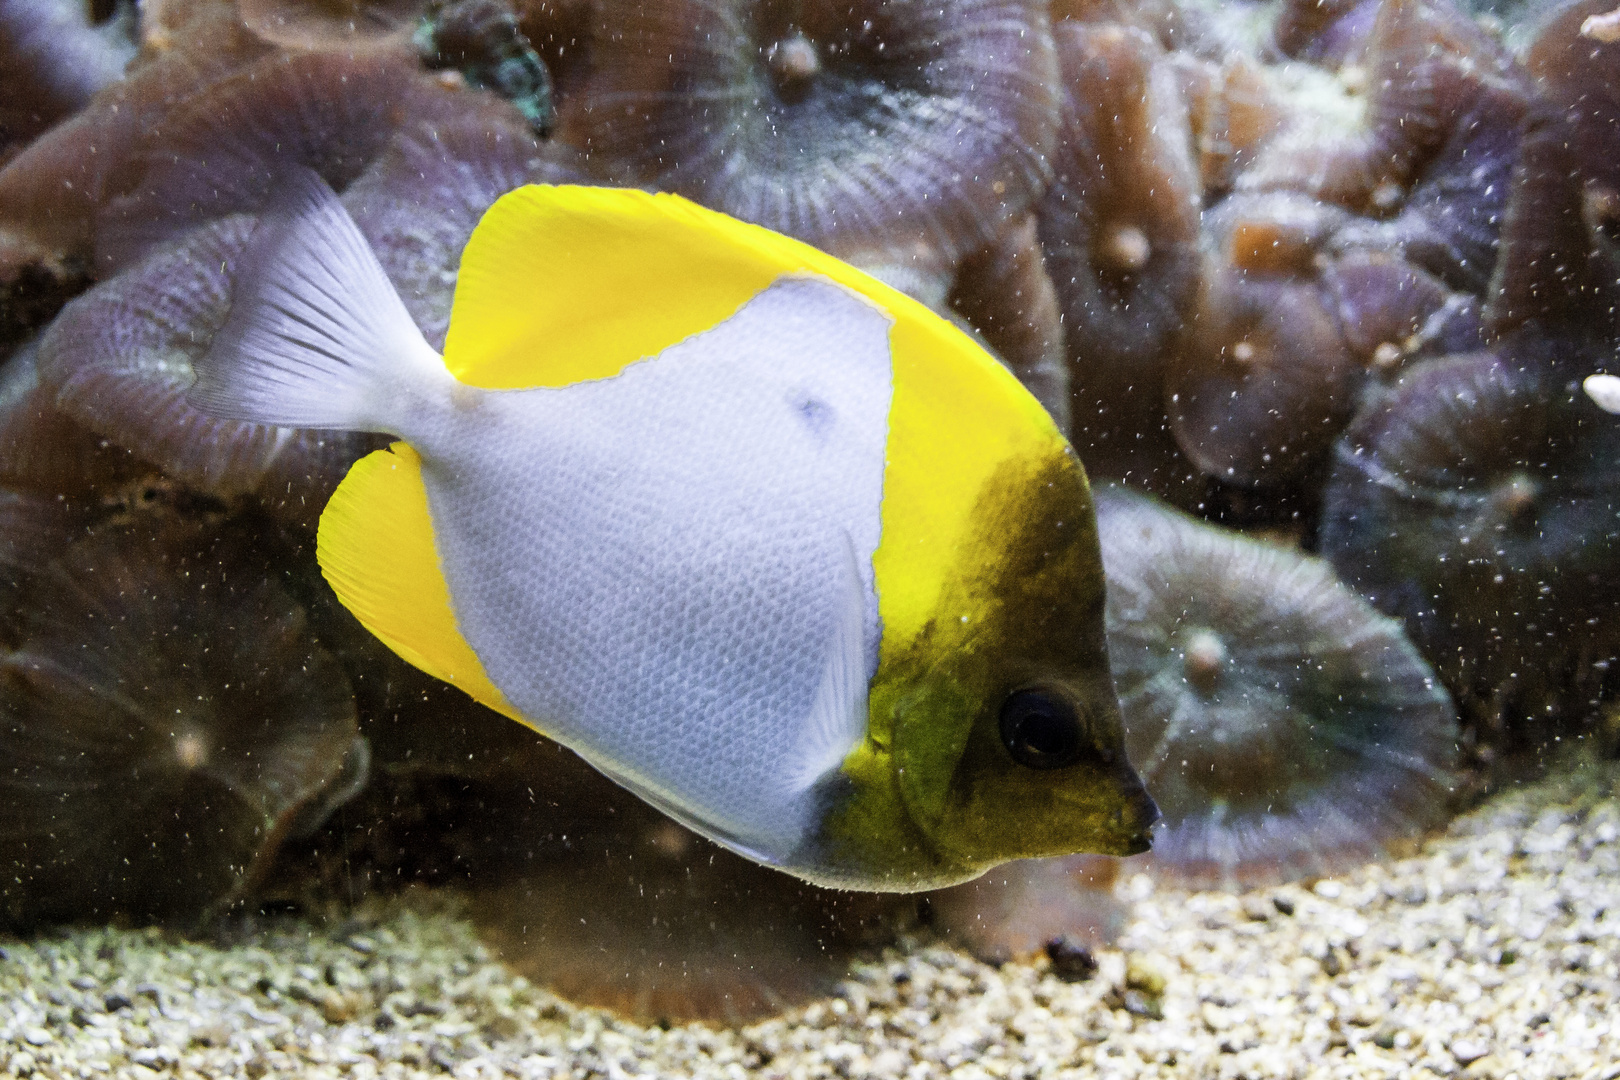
(317, 337)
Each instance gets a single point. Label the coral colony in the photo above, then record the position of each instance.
(1334, 284)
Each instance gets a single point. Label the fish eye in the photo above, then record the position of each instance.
(1042, 729)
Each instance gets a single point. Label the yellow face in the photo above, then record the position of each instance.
(996, 733)
(993, 732)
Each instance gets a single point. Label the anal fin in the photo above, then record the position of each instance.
(377, 551)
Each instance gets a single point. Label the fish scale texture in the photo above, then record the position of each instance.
(650, 566)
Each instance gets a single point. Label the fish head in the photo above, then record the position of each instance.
(995, 733)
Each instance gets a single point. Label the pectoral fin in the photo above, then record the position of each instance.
(837, 720)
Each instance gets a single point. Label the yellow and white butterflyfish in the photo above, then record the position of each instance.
(767, 542)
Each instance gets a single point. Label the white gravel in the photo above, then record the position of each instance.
(1491, 953)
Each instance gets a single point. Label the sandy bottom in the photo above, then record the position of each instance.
(1494, 952)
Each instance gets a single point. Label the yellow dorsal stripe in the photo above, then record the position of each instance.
(376, 549)
(564, 283)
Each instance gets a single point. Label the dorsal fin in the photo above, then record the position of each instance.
(562, 283)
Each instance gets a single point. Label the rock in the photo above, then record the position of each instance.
(1071, 960)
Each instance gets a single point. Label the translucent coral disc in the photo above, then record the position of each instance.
(612, 904)
(1477, 500)
(119, 361)
(1284, 727)
(1120, 221)
(1257, 396)
(864, 128)
(165, 717)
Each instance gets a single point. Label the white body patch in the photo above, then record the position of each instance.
(670, 570)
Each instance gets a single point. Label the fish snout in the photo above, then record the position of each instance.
(1135, 817)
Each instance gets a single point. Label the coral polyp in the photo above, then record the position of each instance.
(317, 24)
(1341, 273)
(1327, 32)
(226, 149)
(1476, 500)
(1390, 311)
(54, 55)
(1284, 727)
(165, 718)
(1006, 294)
(638, 914)
(1265, 382)
(881, 132)
(1120, 220)
(1578, 71)
(44, 449)
(118, 361)
(1119, 226)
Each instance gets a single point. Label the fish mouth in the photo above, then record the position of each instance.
(1137, 844)
(1135, 821)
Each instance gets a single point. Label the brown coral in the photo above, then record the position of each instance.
(1283, 726)
(1120, 231)
(164, 717)
(1264, 384)
(877, 131)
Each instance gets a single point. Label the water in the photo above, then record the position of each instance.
(1337, 303)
